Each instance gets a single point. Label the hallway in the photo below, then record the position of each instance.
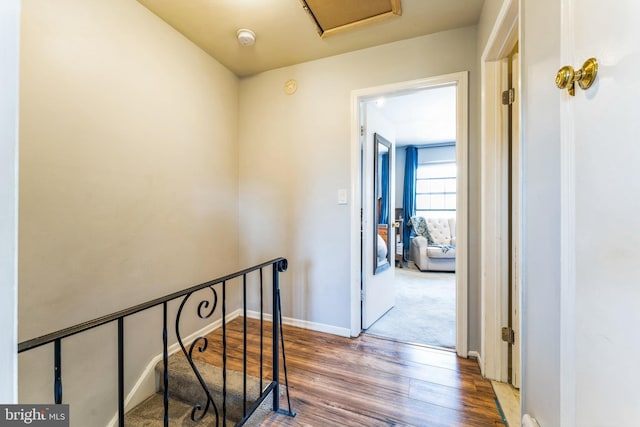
(369, 381)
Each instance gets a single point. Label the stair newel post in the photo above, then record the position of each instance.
(275, 337)
(57, 372)
(165, 361)
(121, 372)
(284, 359)
(261, 329)
(224, 353)
(244, 345)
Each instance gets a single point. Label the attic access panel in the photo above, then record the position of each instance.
(337, 16)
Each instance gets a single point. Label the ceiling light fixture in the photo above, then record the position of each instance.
(246, 37)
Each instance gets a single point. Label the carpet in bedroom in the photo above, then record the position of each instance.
(424, 310)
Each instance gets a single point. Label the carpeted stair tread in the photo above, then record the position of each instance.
(185, 391)
(184, 385)
(150, 413)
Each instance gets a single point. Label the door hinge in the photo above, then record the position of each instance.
(361, 130)
(508, 96)
(508, 335)
(361, 294)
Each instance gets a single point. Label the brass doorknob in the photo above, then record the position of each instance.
(567, 76)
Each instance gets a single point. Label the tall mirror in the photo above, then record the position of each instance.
(382, 203)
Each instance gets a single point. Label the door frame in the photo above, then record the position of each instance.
(494, 197)
(9, 142)
(462, 214)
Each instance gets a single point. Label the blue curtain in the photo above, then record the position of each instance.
(409, 199)
(384, 187)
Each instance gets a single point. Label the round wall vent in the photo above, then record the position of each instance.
(290, 87)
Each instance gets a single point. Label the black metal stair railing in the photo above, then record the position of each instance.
(205, 310)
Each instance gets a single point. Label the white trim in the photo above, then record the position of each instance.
(529, 421)
(504, 33)
(477, 356)
(502, 223)
(9, 141)
(489, 264)
(494, 252)
(304, 324)
(516, 247)
(145, 386)
(462, 215)
(567, 230)
(355, 235)
(461, 80)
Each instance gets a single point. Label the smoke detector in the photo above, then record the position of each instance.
(246, 37)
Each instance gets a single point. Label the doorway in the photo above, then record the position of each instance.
(501, 235)
(422, 124)
(361, 274)
(501, 228)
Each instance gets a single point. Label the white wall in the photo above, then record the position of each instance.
(9, 39)
(540, 58)
(437, 154)
(294, 156)
(128, 185)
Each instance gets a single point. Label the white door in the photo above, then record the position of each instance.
(600, 167)
(378, 295)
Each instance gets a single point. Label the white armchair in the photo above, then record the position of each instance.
(434, 245)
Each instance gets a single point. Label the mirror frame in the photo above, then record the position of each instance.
(378, 139)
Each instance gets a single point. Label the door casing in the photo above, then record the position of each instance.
(460, 79)
(494, 196)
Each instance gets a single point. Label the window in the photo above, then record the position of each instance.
(436, 190)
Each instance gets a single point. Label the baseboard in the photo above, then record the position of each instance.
(476, 355)
(305, 324)
(146, 384)
(529, 421)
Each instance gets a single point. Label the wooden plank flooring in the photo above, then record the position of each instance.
(365, 381)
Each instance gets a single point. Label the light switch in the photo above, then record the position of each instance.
(342, 196)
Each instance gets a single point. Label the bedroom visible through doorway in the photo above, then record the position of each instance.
(423, 126)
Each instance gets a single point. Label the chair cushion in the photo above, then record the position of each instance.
(441, 252)
(439, 231)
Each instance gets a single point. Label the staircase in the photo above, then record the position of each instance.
(235, 393)
(185, 391)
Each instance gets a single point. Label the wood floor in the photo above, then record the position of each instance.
(366, 381)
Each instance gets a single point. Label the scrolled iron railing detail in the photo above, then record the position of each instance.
(282, 265)
(204, 343)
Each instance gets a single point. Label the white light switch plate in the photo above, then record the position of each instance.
(342, 196)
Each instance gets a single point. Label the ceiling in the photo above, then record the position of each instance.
(286, 35)
(423, 117)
